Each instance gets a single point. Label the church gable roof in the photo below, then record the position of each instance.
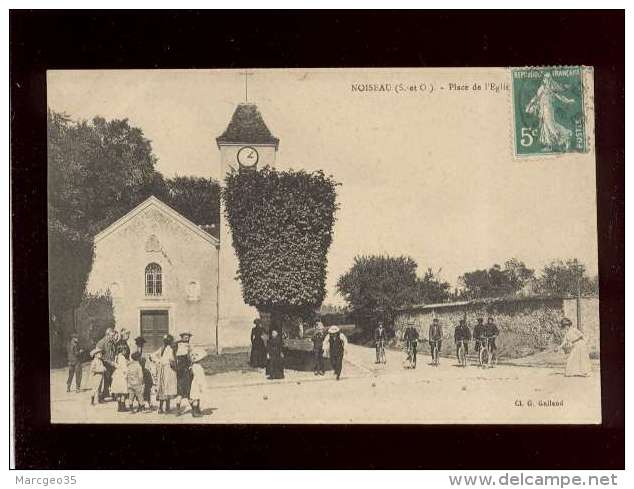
(247, 127)
(165, 209)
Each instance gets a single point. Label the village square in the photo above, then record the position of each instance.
(186, 299)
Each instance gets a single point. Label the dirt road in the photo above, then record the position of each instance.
(370, 393)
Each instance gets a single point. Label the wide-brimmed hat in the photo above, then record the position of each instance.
(140, 340)
(198, 354)
(333, 329)
(566, 322)
(95, 351)
(74, 335)
(185, 333)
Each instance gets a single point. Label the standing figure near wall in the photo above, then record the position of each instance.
(574, 344)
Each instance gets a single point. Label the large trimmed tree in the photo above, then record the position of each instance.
(281, 224)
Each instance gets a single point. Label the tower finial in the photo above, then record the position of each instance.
(246, 85)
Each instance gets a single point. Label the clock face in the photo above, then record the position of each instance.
(248, 156)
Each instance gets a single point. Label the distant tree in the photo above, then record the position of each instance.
(196, 198)
(97, 171)
(564, 278)
(431, 289)
(496, 281)
(281, 224)
(377, 286)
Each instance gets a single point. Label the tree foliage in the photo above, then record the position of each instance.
(196, 198)
(377, 285)
(497, 281)
(282, 224)
(564, 278)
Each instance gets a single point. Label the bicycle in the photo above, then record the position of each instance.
(380, 346)
(488, 358)
(462, 357)
(435, 357)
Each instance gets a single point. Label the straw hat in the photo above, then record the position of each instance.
(198, 354)
(94, 352)
(565, 322)
(185, 333)
(333, 329)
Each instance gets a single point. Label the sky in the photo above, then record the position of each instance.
(429, 174)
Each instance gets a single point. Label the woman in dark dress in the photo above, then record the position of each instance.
(275, 356)
(258, 348)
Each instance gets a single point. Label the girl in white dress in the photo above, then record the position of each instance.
(119, 387)
(166, 378)
(197, 390)
(574, 344)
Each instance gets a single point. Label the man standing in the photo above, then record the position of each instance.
(335, 344)
(491, 332)
(379, 342)
(74, 363)
(478, 331)
(411, 343)
(108, 347)
(435, 338)
(462, 335)
(318, 348)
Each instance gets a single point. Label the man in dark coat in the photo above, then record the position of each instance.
(257, 358)
(109, 348)
(435, 336)
(74, 363)
(478, 331)
(318, 348)
(411, 343)
(491, 332)
(462, 334)
(380, 337)
(275, 356)
(183, 373)
(336, 348)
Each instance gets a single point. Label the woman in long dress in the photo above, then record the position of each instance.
(257, 358)
(166, 378)
(275, 356)
(578, 364)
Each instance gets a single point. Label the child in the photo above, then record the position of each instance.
(197, 389)
(135, 382)
(97, 369)
(149, 388)
(119, 387)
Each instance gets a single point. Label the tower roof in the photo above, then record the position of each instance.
(247, 127)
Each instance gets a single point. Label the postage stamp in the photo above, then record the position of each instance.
(548, 111)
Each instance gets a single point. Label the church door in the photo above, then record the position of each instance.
(154, 325)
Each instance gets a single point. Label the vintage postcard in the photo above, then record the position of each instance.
(323, 246)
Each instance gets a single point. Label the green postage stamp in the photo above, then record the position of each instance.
(548, 111)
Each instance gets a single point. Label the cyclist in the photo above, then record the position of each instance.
(478, 331)
(379, 341)
(462, 334)
(411, 342)
(435, 336)
(491, 332)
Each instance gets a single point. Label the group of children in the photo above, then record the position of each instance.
(136, 378)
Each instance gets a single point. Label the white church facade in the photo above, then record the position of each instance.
(166, 274)
(162, 273)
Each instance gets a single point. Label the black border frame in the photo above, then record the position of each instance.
(178, 39)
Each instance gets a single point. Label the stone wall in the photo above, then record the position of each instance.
(527, 325)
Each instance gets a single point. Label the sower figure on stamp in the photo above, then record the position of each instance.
(318, 348)
(74, 363)
(335, 346)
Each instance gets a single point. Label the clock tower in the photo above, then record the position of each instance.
(246, 143)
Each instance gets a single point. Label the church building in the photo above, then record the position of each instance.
(166, 274)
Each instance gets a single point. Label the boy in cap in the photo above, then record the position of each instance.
(97, 370)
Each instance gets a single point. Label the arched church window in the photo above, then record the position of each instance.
(153, 279)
